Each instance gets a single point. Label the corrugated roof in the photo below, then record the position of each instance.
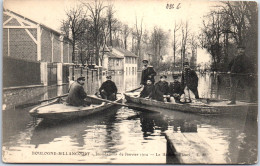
(126, 52)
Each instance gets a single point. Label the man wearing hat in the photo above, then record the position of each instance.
(189, 83)
(77, 94)
(147, 73)
(175, 89)
(239, 68)
(108, 89)
(161, 92)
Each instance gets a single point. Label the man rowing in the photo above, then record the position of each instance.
(147, 73)
(77, 94)
(108, 89)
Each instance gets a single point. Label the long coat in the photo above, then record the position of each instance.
(190, 79)
(147, 91)
(161, 88)
(240, 65)
(76, 95)
(109, 87)
(147, 73)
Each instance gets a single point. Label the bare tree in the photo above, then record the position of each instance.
(74, 25)
(158, 42)
(185, 33)
(125, 33)
(174, 44)
(96, 18)
(139, 33)
(110, 20)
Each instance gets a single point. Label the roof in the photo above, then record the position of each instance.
(126, 52)
(42, 25)
(113, 55)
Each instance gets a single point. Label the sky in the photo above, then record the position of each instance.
(153, 12)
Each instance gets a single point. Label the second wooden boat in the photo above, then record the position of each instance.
(203, 106)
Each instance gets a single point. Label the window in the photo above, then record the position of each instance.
(117, 62)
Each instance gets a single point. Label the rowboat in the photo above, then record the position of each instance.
(202, 106)
(58, 109)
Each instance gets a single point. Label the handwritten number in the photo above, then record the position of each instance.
(172, 6)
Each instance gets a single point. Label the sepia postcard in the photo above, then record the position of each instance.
(130, 81)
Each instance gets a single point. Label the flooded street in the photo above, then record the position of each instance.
(123, 135)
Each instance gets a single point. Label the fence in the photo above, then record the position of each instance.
(20, 73)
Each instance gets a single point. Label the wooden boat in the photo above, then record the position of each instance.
(59, 109)
(202, 106)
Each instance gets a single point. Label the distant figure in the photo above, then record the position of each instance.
(108, 89)
(239, 67)
(161, 92)
(148, 90)
(77, 94)
(175, 88)
(147, 73)
(189, 83)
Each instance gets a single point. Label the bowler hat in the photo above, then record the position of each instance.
(81, 78)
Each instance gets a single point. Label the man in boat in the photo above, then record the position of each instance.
(147, 73)
(161, 90)
(189, 83)
(240, 69)
(148, 90)
(108, 89)
(175, 89)
(77, 94)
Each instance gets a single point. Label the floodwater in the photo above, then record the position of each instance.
(123, 135)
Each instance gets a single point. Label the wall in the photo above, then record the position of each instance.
(14, 97)
(21, 44)
(56, 49)
(20, 73)
(46, 46)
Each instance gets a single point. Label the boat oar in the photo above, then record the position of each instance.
(134, 89)
(38, 102)
(116, 103)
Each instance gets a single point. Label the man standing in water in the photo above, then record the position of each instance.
(239, 68)
(77, 94)
(147, 73)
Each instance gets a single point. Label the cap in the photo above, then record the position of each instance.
(145, 61)
(81, 78)
(163, 76)
(109, 77)
(186, 63)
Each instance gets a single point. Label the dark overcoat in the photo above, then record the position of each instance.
(76, 95)
(190, 79)
(147, 73)
(161, 88)
(175, 88)
(109, 87)
(147, 91)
